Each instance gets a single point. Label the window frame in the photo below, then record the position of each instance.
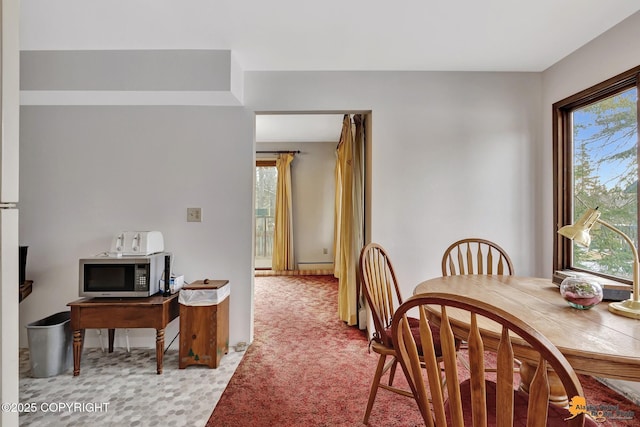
(563, 165)
(265, 163)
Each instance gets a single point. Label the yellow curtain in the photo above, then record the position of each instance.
(348, 237)
(282, 258)
(337, 226)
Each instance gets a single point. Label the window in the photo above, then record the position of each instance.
(596, 165)
(266, 182)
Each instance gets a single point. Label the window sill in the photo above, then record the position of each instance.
(611, 289)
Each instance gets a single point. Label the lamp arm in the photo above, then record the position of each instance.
(636, 261)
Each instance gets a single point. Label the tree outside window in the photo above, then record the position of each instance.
(605, 175)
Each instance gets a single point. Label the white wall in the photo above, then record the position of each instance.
(313, 188)
(453, 155)
(88, 172)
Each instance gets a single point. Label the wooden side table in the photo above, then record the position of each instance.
(204, 329)
(110, 313)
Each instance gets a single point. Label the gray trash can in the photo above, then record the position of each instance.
(50, 345)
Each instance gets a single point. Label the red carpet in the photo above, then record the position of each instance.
(307, 368)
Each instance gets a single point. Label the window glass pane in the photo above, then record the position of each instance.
(605, 175)
(266, 184)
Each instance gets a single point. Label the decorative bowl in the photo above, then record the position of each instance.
(580, 292)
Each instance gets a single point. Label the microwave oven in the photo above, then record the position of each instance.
(135, 276)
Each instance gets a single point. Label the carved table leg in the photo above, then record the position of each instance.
(159, 349)
(112, 335)
(77, 351)
(557, 393)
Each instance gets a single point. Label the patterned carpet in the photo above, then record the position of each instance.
(307, 368)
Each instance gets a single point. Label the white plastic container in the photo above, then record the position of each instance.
(203, 297)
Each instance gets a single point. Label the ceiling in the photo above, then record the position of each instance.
(298, 127)
(462, 35)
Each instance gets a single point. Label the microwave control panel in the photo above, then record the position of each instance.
(142, 277)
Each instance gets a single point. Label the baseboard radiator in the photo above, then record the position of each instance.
(303, 269)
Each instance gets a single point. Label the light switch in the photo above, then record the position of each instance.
(194, 215)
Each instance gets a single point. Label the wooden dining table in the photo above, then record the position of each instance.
(595, 341)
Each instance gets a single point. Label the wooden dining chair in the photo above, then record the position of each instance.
(382, 293)
(476, 256)
(478, 401)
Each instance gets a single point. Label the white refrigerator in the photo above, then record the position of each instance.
(9, 258)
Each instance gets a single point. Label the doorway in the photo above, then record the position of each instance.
(314, 136)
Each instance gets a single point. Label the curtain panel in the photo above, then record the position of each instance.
(283, 254)
(349, 216)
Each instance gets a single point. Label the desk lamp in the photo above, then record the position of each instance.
(579, 233)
